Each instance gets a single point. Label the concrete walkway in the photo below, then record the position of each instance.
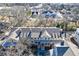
(73, 47)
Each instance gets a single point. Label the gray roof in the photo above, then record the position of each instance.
(37, 32)
(45, 34)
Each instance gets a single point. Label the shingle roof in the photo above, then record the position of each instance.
(45, 34)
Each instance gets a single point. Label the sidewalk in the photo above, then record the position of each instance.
(73, 47)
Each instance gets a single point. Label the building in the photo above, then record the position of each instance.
(48, 14)
(9, 43)
(42, 41)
